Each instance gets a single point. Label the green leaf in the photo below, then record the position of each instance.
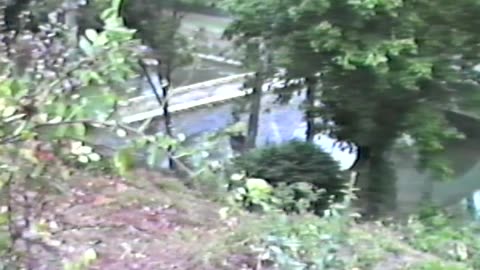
(97, 105)
(101, 40)
(20, 128)
(5, 88)
(116, 5)
(27, 135)
(91, 34)
(89, 256)
(3, 219)
(4, 241)
(155, 156)
(256, 184)
(61, 131)
(18, 89)
(165, 142)
(9, 111)
(108, 13)
(86, 46)
(60, 109)
(94, 157)
(124, 160)
(79, 130)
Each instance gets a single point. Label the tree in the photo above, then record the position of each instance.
(257, 58)
(29, 14)
(158, 24)
(386, 68)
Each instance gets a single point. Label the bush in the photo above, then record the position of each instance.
(292, 163)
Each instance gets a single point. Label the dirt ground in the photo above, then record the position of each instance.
(153, 223)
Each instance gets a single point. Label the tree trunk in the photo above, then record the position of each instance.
(3, 23)
(471, 207)
(71, 13)
(256, 95)
(168, 118)
(162, 100)
(377, 184)
(5, 39)
(255, 104)
(168, 126)
(427, 193)
(310, 102)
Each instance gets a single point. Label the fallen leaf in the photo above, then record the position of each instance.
(120, 187)
(44, 155)
(102, 200)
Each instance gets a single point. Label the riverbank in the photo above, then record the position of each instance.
(157, 223)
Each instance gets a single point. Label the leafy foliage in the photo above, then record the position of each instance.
(439, 234)
(89, 74)
(438, 265)
(255, 193)
(169, 45)
(383, 69)
(85, 262)
(53, 92)
(295, 163)
(303, 243)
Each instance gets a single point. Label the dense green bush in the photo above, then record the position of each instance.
(292, 163)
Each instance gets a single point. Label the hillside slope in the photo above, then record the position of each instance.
(156, 223)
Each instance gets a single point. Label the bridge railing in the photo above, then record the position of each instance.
(196, 86)
(184, 98)
(191, 96)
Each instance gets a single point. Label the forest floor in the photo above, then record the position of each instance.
(155, 223)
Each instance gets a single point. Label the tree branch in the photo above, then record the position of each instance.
(17, 138)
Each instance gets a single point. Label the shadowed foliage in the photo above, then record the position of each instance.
(295, 162)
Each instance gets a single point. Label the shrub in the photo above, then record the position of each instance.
(293, 163)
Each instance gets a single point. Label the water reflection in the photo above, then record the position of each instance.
(337, 150)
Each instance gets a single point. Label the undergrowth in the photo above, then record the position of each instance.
(446, 237)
